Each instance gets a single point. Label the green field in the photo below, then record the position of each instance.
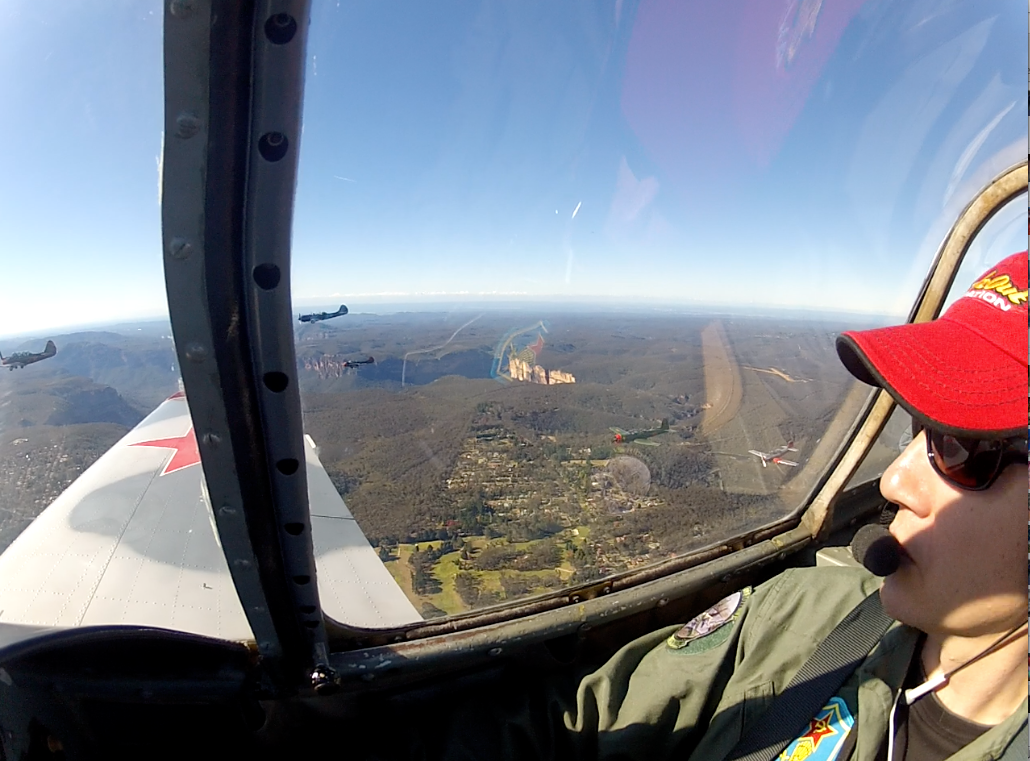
(448, 566)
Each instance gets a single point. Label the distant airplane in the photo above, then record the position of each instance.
(319, 316)
(639, 435)
(358, 362)
(775, 455)
(23, 358)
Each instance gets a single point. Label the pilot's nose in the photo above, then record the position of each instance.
(906, 479)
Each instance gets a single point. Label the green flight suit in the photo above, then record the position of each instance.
(654, 702)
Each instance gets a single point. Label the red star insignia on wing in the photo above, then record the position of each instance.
(537, 346)
(186, 451)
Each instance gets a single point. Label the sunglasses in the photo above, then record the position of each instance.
(970, 464)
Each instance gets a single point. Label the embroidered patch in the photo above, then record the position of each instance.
(825, 735)
(708, 630)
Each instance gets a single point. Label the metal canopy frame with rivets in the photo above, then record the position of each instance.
(233, 90)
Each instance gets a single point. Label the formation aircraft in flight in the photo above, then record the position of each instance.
(319, 316)
(22, 358)
(776, 455)
(359, 362)
(639, 435)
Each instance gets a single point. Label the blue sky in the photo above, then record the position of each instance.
(754, 152)
(81, 84)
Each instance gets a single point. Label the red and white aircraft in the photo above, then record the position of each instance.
(133, 541)
(775, 456)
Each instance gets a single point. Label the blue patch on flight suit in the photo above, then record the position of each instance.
(825, 735)
(709, 629)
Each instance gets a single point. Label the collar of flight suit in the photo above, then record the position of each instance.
(879, 679)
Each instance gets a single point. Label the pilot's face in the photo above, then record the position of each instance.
(963, 569)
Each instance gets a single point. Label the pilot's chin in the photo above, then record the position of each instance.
(897, 597)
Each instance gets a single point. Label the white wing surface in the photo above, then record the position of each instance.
(353, 585)
(132, 541)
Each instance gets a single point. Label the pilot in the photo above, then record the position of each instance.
(691, 691)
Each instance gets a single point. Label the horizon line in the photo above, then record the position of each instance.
(691, 308)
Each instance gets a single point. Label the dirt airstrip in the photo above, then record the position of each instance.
(723, 388)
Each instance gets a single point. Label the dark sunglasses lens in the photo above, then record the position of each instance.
(971, 463)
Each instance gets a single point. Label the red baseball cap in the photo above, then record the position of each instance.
(964, 373)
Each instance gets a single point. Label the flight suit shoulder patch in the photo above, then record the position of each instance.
(711, 628)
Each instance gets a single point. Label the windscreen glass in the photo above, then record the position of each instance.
(593, 258)
(86, 345)
(568, 277)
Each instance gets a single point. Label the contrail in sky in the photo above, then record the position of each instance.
(576, 210)
(345, 179)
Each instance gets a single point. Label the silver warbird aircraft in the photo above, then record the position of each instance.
(19, 359)
(776, 455)
(319, 316)
(203, 591)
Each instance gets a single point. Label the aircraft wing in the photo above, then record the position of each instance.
(780, 461)
(132, 541)
(616, 429)
(353, 585)
(646, 443)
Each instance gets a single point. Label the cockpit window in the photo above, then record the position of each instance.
(566, 280)
(1002, 235)
(81, 254)
(594, 261)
